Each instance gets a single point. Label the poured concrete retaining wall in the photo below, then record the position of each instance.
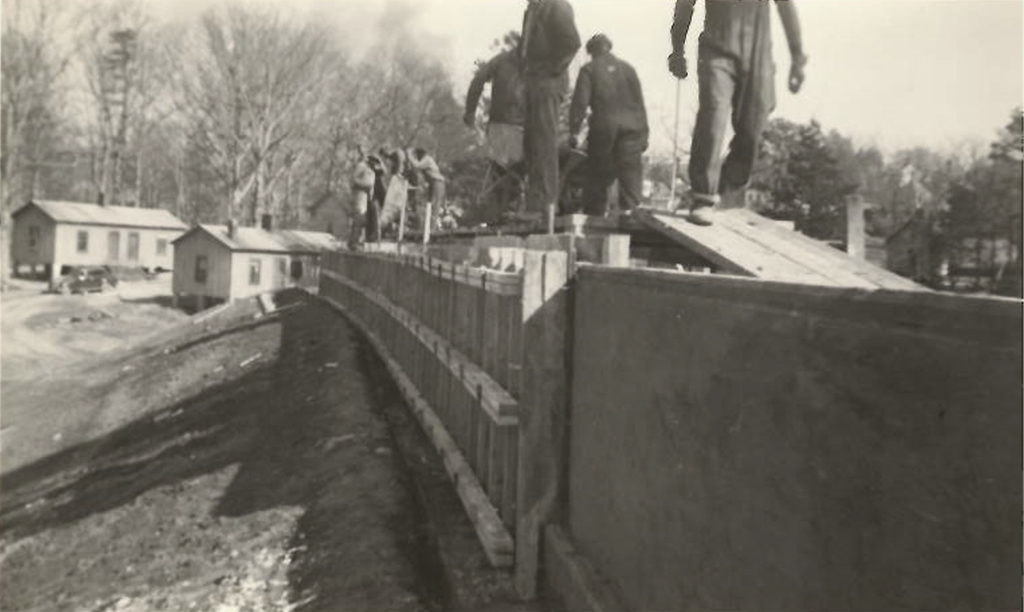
(745, 445)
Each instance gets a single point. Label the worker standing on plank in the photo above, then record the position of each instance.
(550, 41)
(735, 74)
(505, 119)
(618, 127)
(362, 192)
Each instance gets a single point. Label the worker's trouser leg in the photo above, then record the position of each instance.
(541, 142)
(600, 171)
(614, 154)
(753, 101)
(437, 194)
(357, 222)
(373, 221)
(629, 167)
(727, 94)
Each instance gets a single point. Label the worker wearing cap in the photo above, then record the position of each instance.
(550, 41)
(735, 75)
(618, 135)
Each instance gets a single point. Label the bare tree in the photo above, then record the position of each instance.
(249, 91)
(33, 66)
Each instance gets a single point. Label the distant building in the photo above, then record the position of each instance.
(964, 261)
(913, 250)
(225, 263)
(53, 235)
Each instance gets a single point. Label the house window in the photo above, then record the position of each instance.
(254, 272)
(161, 246)
(200, 268)
(33, 236)
(83, 241)
(296, 269)
(282, 266)
(133, 246)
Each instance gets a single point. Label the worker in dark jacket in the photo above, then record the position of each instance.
(505, 120)
(504, 74)
(736, 77)
(550, 41)
(618, 134)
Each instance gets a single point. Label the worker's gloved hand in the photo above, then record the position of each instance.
(574, 142)
(469, 120)
(796, 72)
(677, 65)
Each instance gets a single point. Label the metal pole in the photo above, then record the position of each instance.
(675, 149)
(427, 222)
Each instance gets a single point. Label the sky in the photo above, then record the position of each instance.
(943, 74)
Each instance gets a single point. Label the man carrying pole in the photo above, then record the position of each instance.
(735, 74)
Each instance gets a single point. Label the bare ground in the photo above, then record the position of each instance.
(237, 464)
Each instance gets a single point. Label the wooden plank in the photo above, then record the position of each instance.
(829, 257)
(499, 404)
(734, 253)
(786, 243)
(542, 425)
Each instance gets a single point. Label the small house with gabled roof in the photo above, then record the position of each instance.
(53, 235)
(227, 262)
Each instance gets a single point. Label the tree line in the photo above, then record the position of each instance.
(247, 110)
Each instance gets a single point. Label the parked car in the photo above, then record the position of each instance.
(86, 278)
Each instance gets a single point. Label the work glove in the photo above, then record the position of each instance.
(677, 65)
(574, 142)
(796, 72)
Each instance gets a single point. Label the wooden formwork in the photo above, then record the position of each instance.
(451, 338)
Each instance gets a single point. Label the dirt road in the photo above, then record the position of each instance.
(228, 468)
(43, 331)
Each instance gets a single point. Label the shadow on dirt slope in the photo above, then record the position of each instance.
(288, 462)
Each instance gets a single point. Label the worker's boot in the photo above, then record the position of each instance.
(701, 214)
(701, 208)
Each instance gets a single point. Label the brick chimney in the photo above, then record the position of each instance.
(267, 222)
(232, 228)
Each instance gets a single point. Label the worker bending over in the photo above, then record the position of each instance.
(505, 119)
(735, 75)
(426, 165)
(618, 134)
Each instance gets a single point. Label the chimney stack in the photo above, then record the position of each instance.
(267, 223)
(855, 242)
(232, 228)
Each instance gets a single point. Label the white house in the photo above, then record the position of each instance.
(218, 262)
(52, 235)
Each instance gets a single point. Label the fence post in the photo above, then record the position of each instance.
(543, 409)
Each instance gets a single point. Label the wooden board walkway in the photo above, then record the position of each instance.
(744, 243)
(740, 242)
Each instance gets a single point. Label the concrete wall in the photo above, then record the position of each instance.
(744, 445)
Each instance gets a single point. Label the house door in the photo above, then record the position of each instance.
(114, 246)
